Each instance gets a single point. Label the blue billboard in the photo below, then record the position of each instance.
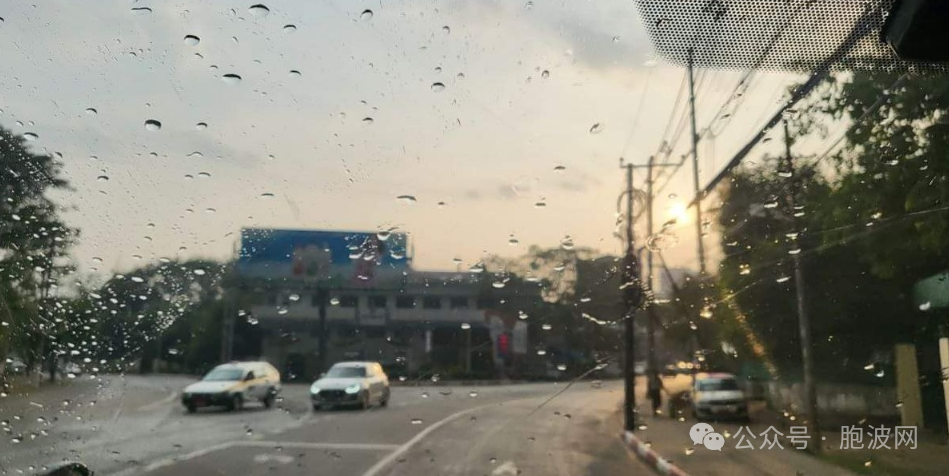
(342, 258)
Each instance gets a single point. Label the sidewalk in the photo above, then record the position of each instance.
(670, 439)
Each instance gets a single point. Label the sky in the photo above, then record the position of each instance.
(478, 110)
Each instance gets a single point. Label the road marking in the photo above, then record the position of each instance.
(402, 449)
(508, 468)
(164, 401)
(317, 446)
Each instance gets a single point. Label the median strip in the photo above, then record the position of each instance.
(653, 459)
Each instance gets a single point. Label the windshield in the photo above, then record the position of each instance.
(346, 372)
(531, 228)
(713, 385)
(224, 375)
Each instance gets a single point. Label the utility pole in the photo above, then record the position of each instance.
(695, 170)
(632, 298)
(651, 308)
(693, 341)
(803, 320)
(321, 295)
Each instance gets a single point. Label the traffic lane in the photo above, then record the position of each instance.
(575, 433)
(359, 440)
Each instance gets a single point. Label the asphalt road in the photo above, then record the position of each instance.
(132, 425)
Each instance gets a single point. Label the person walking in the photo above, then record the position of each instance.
(654, 389)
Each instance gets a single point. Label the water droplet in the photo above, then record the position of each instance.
(473, 393)
(192, 40)
(334, 301)
(616, 39)
(366, 14)
(794, 251)
(560, 168)
(368, 120)
(152, 125)
(540, 204)
(406, 199)
(782, 279)
(546, 327)
(30, 136)
(259, 10)
(497, 284)
(545, 74)
(689, 451)
(868, 463)
(294, 297)
(416, 421)
(541, 352)
(103, 178)
(899, 404)
(201, 126)
(465, 326)
(880, 373)
(522, 315)
(868, 366)
(137, 279)
(925, 306)
(528, 5)
(477, 268)
(295, 73)
(204, 175)
(250, 432)
(289, 28)
(596, 128)
(231, 78)
(282, 310)
(438, 87)
(562, 367)
(446, 29)
(513, 241)
(91, 111)
(567, 243)
(141, 10)
(266, 195)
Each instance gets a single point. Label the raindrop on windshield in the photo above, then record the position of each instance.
(596, 128)
(446, 29)
(366, 14)
(545, 74)
(152, 125)
(259, 10)
(231, 78)
(141, 10)
(473, 394)
(295, 73)
(416, 421)
(201, 126)
(782, 279)
(497, 284)
(30, 136)
(546, 327)
(294, 297)
(560, 168)
(103, 178)
(334, 301)
(465, 326)
(406, 199)
(192, 40)
(91, 111)
(368, 120)
(567, 243)
(266, 195)
(562, 367)
(289, 28)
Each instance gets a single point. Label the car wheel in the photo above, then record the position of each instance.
(385, 399)
(316, 407)
(236, 403)
(191, 408)
(269, 399)
(364, 403)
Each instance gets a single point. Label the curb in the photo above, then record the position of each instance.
(645, 453)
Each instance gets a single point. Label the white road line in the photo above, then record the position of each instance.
(317, 446)
(402, 449)
(164, 401)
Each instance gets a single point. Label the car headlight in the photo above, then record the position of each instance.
(314, 389)
(354, 388)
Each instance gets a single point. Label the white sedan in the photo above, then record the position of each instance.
(359, 384)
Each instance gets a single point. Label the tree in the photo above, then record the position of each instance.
(33, 244)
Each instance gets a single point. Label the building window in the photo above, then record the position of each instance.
(405, 302)
(432, 302)
(486, 303)
(377, 302)
(458, 302)
(348, 301)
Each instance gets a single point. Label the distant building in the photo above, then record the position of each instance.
(377, 307)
